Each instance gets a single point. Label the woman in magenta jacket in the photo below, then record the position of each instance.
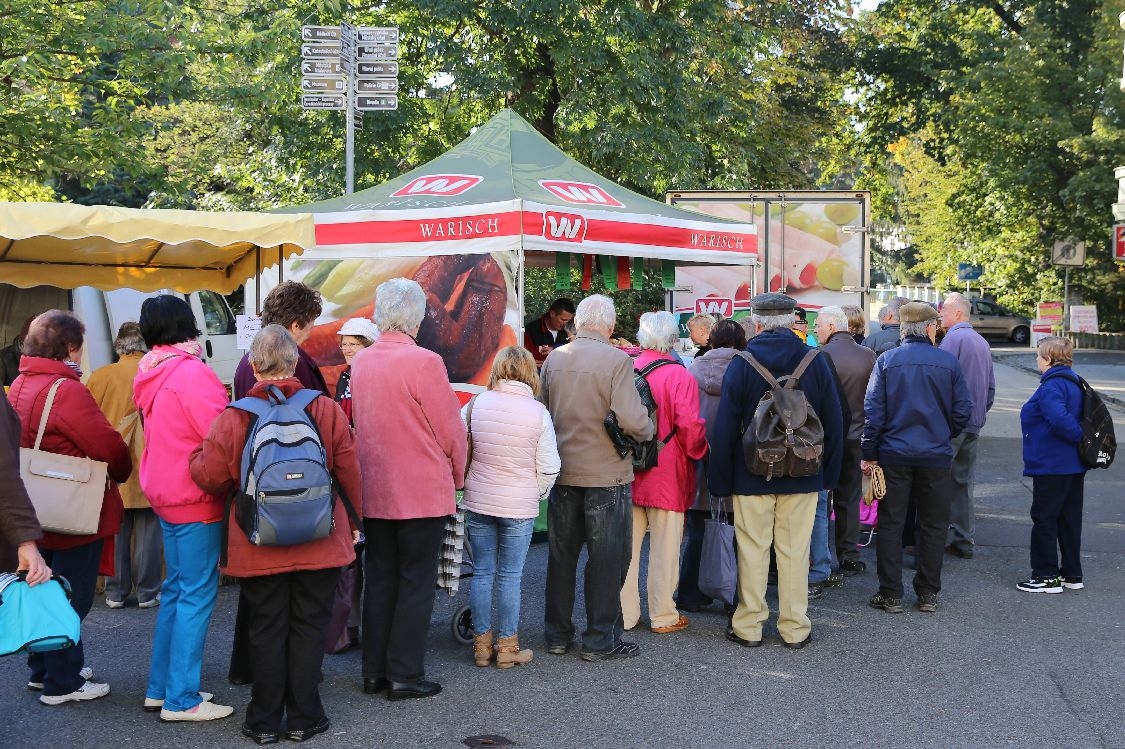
(179, 397)
(75, 426)
(662, 495)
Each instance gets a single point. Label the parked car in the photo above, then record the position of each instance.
(993, 321)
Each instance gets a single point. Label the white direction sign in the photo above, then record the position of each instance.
(324, 101)
(377, 34)
(376, 85)
(320, 33)
(376, 103)
(323, 83)
(376, 52)
(321, 51)
(321, 67)
(376, 69)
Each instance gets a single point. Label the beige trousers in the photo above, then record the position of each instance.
(666, 533)
(785, 521)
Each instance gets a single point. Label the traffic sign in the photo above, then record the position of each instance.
(324, 101)
(376, 52)
(1069, 251)
(376, 85)
(320, 51)
(323, 83)
(1119, 241)
(376, 103)
(376, 69)
(320, 33)
(321, 67)
(377, 34)
(969, 272)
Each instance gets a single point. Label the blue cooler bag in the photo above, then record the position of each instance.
(36, 619)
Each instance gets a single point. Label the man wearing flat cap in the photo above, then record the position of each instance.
(775, 510)
(916, 403)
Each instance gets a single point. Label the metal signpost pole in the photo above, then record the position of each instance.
(347, 39)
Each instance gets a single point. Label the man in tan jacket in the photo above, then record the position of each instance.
(581, 383)
(139, 547)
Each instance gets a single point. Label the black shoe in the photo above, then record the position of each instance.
(412, 690)
(239, 680)
(376, 685)
(816, 590)
(260, 738)
(850, 568)
(742, 641)
(958, 551)
(927, 602)
(307, 733)
(621, 650)
(801, 644)
(834, 579)
(886, 603)
(559, 648)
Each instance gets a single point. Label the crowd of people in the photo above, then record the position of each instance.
(400, 444)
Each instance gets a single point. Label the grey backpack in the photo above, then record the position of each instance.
(784, 436)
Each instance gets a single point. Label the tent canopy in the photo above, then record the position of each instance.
(67, 245)
(507, 187)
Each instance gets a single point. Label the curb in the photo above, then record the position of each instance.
(1110, 400)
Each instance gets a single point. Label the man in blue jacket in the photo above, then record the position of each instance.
(916, 403)
(778, 510)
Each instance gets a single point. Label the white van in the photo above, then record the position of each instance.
(103, 312)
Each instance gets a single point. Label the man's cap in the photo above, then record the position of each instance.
(360, 326)
(917, 312)
(772, 303)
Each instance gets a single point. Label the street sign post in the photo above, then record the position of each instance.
(324, 101)
(1069, 252)
(376, 103)
(969, 271)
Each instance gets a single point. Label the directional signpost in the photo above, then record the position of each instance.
(350, 68)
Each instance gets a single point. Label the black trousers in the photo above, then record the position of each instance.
(845, 501)
(287, 618)
(1056, 516)
(929, 489)
(400, 574)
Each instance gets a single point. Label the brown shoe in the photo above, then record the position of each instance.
(681, 623)
(508, 653)
(483, 654)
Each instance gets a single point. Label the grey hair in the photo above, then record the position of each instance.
(596, 311)
(701, 322)
(770, 322)
(892, 307)
(658, 331)
(400, 304)
(835, 316)
(273, 353)
(129, 339)
(959, 301)
(914, 328)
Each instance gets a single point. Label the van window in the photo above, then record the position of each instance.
(216, 315)
(986, 308)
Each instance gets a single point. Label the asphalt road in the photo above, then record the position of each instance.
(993, 667)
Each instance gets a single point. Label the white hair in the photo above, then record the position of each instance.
(658, 331)
(273, 352)
(769, 322)
(596, 311)
(958, 301)
(914, 328)
(834, 316)
(400, 304)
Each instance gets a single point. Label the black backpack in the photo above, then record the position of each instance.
(784, 437)
(1099, 443)
(643, 454)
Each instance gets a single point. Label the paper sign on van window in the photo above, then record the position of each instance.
(247, 327)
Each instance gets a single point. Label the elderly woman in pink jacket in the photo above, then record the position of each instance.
(515, 461)
(661, 495)
(411, 445)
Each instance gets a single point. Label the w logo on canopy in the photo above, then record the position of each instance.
(564, 227)
(438, 184)
(583, 193)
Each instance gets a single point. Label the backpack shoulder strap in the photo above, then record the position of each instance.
(252, 405)
(469, 414)
(646, 369)
(765, 373)
(800, 370)
(303, 398)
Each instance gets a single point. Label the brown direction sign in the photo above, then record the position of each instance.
(321, 67)
(376, 103)
(376, 69)
(376, 52)
(324, 101)
(323, 83)
(377, 34)
(320, 51)
(376, 85)
(320, 33)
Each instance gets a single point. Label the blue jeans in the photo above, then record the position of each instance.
(499, 549)
(821, 556)
(191, 559)
(601, 518)
(58, 670)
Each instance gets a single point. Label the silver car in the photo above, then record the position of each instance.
(993, 321)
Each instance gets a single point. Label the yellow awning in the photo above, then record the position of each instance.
(67, 245)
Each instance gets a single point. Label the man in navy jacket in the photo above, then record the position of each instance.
(780, 510)
(916, 403)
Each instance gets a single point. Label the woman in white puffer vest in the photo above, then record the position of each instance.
(514, 461)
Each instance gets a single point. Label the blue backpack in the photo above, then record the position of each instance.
(36, 619)
(287, 493)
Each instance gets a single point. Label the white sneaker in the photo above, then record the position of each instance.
(86, 673)
(88, 691)
(112, 604)
(202, 711)
(152, 704)
(1072, 583)
(150, 604)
